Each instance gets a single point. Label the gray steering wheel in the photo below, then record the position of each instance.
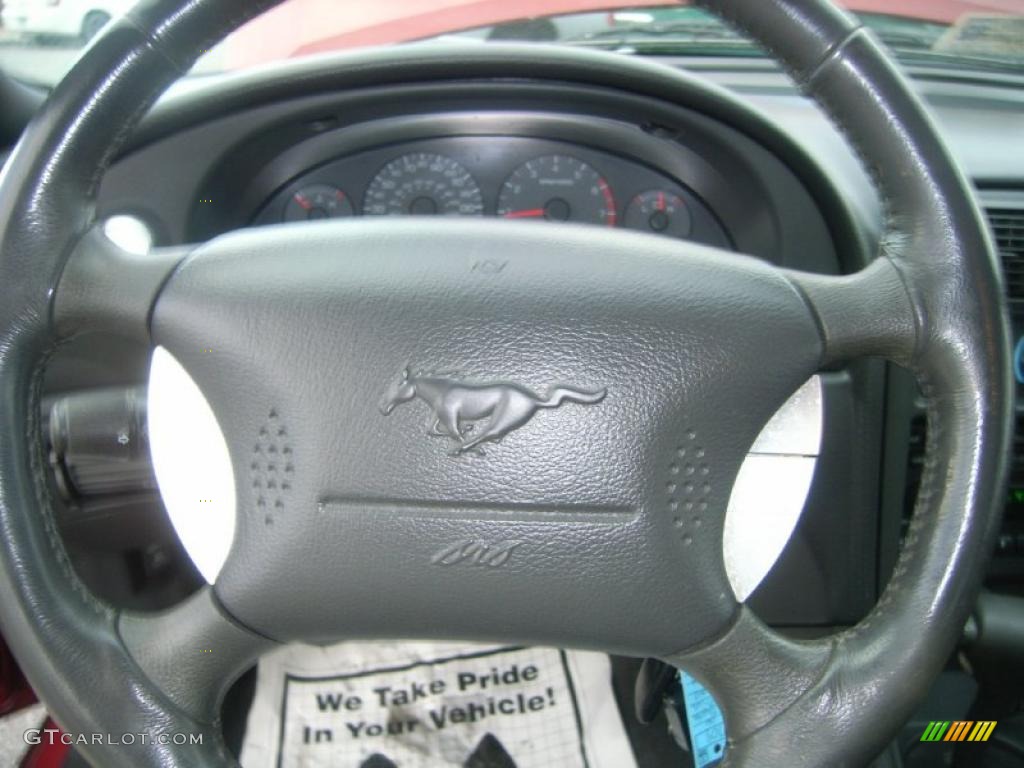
(577, 525)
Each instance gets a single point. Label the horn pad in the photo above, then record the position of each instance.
(483, 449)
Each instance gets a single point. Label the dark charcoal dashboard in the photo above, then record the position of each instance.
(485, 133)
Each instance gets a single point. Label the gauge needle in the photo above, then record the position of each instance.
(661, 201)
(530, 213)
(303, 202)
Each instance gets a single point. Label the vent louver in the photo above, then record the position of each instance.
(1008, 228)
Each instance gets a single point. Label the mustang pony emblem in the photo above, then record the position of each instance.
(456, 405)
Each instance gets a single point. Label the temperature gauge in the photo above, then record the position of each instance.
(317, 201)
(663, 213)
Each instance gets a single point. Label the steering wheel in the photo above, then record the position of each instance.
(621, 379)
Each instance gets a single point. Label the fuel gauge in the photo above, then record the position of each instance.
(317, 201)
(660, 212)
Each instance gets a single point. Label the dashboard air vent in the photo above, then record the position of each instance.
(1008, 229)
(1017, 467)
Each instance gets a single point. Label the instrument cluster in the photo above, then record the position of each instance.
(501, 176)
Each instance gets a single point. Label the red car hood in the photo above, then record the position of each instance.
(300, 27)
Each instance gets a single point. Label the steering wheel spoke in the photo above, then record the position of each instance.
(191, 652)
(105, 288)
(755, 674)
(867, 314)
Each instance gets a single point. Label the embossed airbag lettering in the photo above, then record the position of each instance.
(475, 553)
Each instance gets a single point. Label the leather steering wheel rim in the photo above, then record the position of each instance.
(932, 301)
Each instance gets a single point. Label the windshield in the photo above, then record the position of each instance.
(41, 39)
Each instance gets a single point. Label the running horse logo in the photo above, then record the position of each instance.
(458, 405)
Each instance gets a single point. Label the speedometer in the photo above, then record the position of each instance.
(423, 184)
(557, 188)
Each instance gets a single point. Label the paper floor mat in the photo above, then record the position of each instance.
(419, 705)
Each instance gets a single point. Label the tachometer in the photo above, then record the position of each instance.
(557, 188)
(423, 184)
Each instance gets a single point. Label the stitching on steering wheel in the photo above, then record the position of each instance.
(42, 491)
(926, 491)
